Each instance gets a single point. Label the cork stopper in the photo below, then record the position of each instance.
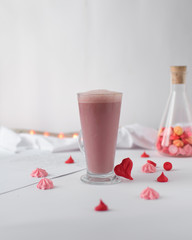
(178, 74)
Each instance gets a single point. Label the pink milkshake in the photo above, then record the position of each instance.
(99, 114)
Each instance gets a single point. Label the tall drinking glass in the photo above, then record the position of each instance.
(99, 114)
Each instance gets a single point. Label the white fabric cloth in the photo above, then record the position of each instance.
(9, 139)
(50, 144)
(129, 136)
(132, 136)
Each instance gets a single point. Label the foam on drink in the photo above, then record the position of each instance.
(99, 96)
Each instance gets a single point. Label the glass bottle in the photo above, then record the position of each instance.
(175, 132)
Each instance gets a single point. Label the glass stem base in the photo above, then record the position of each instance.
(100, 179)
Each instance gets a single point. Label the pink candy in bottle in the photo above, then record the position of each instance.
(175, 132)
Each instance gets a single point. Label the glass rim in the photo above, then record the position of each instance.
(99, 94)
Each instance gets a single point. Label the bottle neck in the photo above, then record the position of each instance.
(178, 87)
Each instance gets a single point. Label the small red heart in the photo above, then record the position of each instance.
(124, 168)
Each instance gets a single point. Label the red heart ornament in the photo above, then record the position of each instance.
(124, 168)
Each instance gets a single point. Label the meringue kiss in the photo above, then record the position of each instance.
(149, 194)
(69, 160)
(45, 183)
(101, 207)
(162, 178)
(144, 155)
(148, 168)
(39, 172)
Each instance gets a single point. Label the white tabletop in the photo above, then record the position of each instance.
(67, 211)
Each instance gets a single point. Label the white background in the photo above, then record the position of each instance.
(52, 49)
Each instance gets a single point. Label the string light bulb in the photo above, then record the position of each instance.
(31, 132)
(46, 134)
(61, 135)
(75, 135)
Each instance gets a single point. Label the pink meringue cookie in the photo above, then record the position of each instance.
(149, 194)
(39, 172)
(45, 183)
(148, 168)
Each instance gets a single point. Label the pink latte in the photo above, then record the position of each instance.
(99, 114)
